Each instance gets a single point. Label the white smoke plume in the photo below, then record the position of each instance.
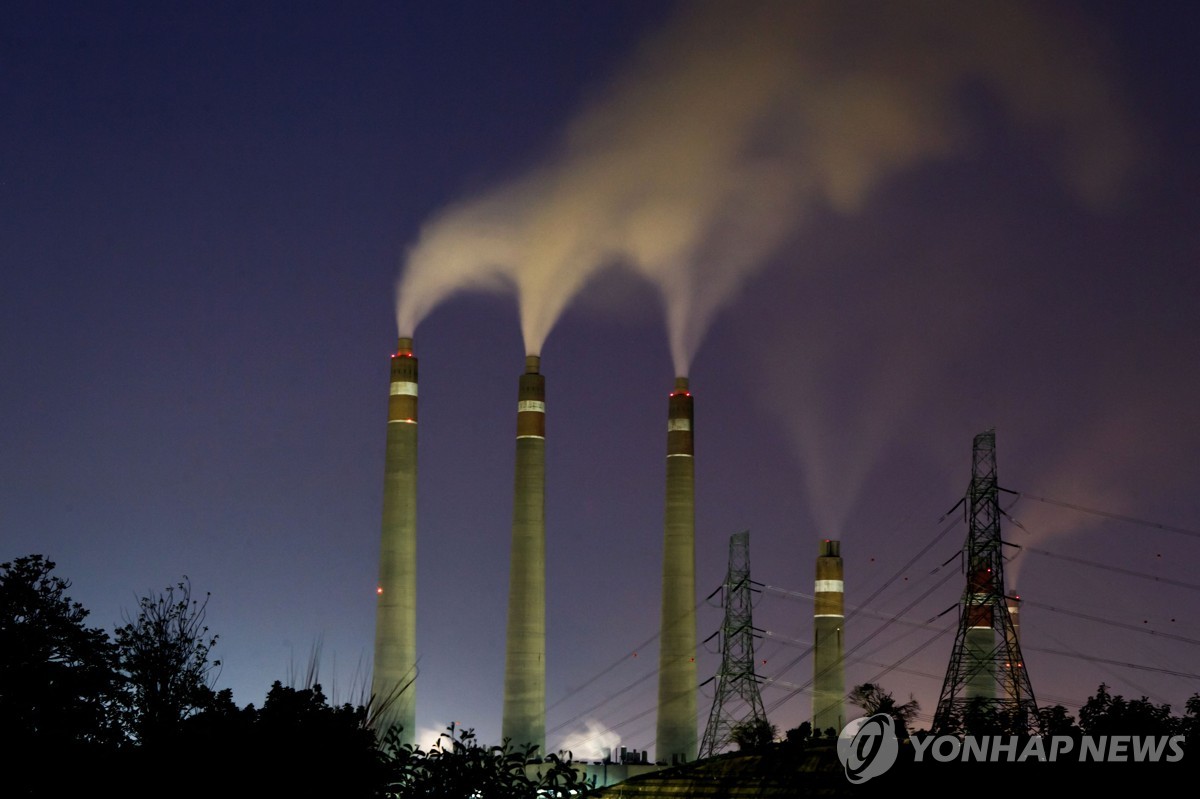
(594, 743)
(428, 738)
(729, 125)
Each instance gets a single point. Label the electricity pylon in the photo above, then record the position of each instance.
(986, 681)
(737, 699)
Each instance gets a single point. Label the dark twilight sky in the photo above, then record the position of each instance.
(872, 231)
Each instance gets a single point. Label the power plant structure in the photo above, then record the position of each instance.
(986, 672)
(829, 618)
(393, 679)
(676, 735)
(524, 720)
(393, 682)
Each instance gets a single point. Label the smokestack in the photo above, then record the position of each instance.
(393, 691)
(979, 645)
(524, 722)
(829, 616)
(676, 740)
(1013, 640)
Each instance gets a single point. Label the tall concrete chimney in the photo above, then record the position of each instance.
(979, 647)
(524, 721)
(1012, 686)
(393, 688)
(829, 617)
(676, 740)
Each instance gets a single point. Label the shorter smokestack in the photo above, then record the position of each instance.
(829, 617)
(979, 644)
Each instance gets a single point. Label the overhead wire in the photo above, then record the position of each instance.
(1115, 569)
(794, 689)
(846, 656)
(1106, 514)
(610, 696)
(1111, 622)
(1122, 663)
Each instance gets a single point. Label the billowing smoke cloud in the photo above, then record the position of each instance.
(596, 742)
(733, 123)
(1124, 458)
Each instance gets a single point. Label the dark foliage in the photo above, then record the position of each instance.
(80, 713)
(1055, 720)
(462, 767)
(754, 735)
(798, 736)
(58, 685)
(873, 699)
(164, 656)
(296, 744)
(1106, 714)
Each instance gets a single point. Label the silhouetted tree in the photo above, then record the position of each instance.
(164, 656)
(753, 734)
(58, 687)
(873, 699)
(464, 768)
(56, 681)
(1108, 714)
(80, 713)
(799, 735)
(1189, 725)
(302, 726)
(296, 744)
(1055, 720)
(985, 718)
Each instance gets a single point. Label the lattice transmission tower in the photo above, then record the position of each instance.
(986, 681)
(737, 699)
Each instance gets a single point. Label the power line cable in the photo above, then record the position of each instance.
(1122, 663)
(1111, 622)
(1115, 569)
(1107, 514)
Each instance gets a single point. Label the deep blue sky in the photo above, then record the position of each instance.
(203, 211)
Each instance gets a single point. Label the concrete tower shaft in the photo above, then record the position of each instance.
(524, 720)
(393, 688)
(829, 616)
(980, 638)
(677, 739)
(1012, 685)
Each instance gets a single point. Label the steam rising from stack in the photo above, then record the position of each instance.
(708, 151)
(700, 161)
